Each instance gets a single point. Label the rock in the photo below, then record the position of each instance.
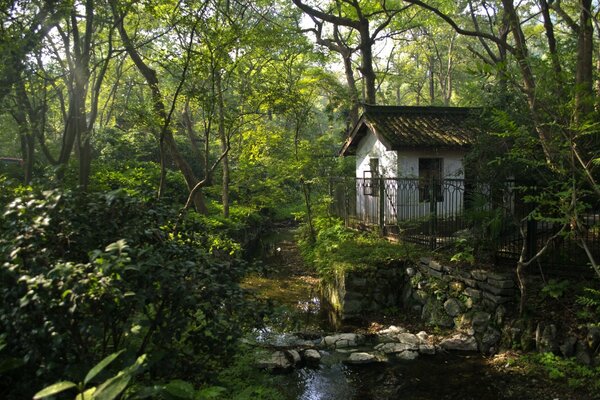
(425, 260)
(361, 358)
(407, 355)
(417, 309)
(459, 342)
(343, 340)
(392, 330)
(423, 336)
(502, 284)
(408, 338)
(433, 313)
(500, 315)
(407, 294)
(480, 321)
(393, 348)
(473, 293)
(453, 307)
(420, 296)
(545, 339)
(353, 307)
(435, 265)
(567, 349)
(479, 274)
(581, 353)
(311, 356)
(294, 356)
(278, 361)
(495, 290)
(496, 299)
(410, 271)
(593, 338)
(490, 338)
(427, 349)
(499, 276)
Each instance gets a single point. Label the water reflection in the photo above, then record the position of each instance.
(444, 377)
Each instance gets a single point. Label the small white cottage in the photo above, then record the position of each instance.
(422, 149)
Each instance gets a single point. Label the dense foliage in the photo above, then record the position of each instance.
(86, 275)
(336, 249)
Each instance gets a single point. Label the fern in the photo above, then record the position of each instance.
(591, 298)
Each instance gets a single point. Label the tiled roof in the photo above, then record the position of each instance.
(415, 127)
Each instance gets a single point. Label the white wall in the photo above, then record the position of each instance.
(409, 206)
(367, 206)
(408, 162)
(402, 198)
(371, 147)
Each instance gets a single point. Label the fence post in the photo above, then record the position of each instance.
(531, 238)
(432, 214)
(346, 192)
(382, 206)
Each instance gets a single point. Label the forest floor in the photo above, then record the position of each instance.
(287, 282)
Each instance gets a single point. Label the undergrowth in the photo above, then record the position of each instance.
(336, 248)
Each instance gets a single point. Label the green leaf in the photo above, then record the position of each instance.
(8, 364)
(100, 366)
(113, 387)
(180, 389)
(87, 395)
(54, 389)
(212, 392)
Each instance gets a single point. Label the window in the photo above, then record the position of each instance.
(430, 179)
(371, 176)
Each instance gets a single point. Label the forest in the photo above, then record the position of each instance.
(147, 147)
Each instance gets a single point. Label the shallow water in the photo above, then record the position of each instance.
(294, 292)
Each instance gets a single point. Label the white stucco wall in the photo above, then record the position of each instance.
(408, 162)
(371, 147)
(402, 197)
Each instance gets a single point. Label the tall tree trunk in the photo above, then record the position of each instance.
(584, 72)
(224, 140)
(351, 82)
(159, 108)
(366, 69)
(431, 79)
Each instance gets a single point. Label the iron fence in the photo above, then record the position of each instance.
(436, 213)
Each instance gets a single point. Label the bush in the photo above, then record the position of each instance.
(85, 275)
(337, 248)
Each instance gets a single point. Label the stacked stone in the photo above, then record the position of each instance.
(364, 291)
(488, 288)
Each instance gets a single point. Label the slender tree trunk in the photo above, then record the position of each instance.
(584, 72)
(431, 79)
(159, 108)
(223, 138)
(367, 62)
(351, 82)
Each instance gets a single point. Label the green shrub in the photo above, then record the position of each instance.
(337, 248)
(85, 275)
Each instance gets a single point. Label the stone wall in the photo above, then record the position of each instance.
(355, 293)
(474, 301)
(479, 304)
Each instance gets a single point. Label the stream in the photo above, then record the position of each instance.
(294, 292)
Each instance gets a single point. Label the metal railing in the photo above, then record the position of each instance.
(437, 213)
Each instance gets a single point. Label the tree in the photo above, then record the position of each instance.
(357, 17)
